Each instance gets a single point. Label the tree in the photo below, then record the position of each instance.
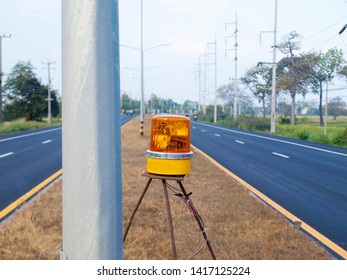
(26, 96)
(293, 77)
(259, 81)
(324, 67)
(337, 107)
(292, 70)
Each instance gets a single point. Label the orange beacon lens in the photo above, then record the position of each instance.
(169, 152)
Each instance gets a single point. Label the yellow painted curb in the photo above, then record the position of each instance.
(29, 194)
(327, 242)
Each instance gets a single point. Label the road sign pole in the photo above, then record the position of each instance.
(92, 183)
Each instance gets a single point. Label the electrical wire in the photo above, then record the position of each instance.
(343, 41)
(198, 251)
(320, 32)
(189, 204)
(327, 41)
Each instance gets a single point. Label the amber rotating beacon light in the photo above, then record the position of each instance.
(169, 152)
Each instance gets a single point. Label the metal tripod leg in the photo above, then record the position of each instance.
(202, 229)
(135, 210)
(169, 217)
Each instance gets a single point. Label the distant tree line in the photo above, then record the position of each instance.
(25, 95)
(157, 105)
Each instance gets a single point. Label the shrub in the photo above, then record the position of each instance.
(247, 123)
(303, 135)
(324, 139)
(284, 120)
(340, 138)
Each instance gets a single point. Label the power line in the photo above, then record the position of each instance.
(327, 41)
(320, 32)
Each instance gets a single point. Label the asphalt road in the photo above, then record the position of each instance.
(28, 158)
(307, 179)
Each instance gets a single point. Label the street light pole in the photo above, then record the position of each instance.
(142, 77)
(274, 67)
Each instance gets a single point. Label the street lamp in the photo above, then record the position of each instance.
(142, 50)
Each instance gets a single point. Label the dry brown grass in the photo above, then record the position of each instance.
(238, 225)
(34, 231)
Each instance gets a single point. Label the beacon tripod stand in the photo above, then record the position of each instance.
(185, 197)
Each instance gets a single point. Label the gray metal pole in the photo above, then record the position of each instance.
(274, 67)
(92, 183)
(49, 95)
(326, 109)
(1, 36)
(142, 103)
(215, 81)
(1, 119)
(49, 100)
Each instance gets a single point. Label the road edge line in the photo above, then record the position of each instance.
(29, 194)
(320, 237)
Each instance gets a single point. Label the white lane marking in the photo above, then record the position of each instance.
(240, 142)
(278, 140)
(6, 155)
(280, 155)
(203, 130)
(27, 135)
(216, 135)
(48, 141)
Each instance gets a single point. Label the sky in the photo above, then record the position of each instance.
(191, 27)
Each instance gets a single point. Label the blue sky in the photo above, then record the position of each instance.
(189, 26)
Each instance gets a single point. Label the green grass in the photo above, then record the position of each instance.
(308, 128)
(22, 125)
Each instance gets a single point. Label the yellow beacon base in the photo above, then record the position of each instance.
(168, 166)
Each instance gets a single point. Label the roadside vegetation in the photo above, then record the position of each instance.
(22, 125)
(306, 128)
(239, 226)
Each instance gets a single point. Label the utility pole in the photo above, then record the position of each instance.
(215, 76)
(235, 64)
(92, 177)
(1, 74)
(49, 90)
(326, 109)
(274, 67)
